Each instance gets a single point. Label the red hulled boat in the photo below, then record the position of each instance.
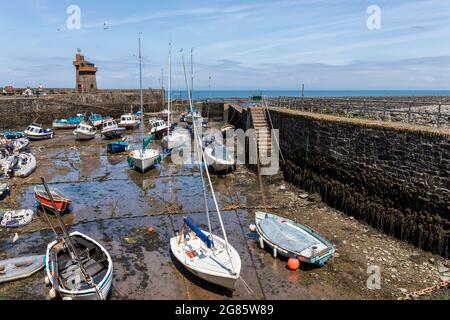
(61, 201)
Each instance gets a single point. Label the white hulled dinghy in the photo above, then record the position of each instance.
(77, 267)
(290, 239)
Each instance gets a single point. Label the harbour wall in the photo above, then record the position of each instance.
(395, 177)
(16, 112)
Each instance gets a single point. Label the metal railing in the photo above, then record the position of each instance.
(435, 113)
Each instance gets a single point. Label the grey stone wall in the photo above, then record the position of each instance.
(18, 112)
(395, 179)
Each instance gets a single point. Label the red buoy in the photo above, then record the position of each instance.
(294, 264)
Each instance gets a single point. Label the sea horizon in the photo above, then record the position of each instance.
(224, 94)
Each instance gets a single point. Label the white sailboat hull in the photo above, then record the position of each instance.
(143, 160)
(218, 164)
(83, 136)
(175, 140)
(221, 268)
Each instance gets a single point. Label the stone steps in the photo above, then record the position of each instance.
(263, 133)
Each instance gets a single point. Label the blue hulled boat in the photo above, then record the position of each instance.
(118, 147)
(70, 123)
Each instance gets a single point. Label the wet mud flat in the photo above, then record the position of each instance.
(135, 215)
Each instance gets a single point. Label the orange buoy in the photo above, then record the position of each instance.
(294, 264)
(151, 230)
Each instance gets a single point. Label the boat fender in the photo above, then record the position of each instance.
(293, 264)
(47, 281)
(252, 228)
(275, 253)
(52, 293)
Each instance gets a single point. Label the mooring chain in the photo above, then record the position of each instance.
(427, 291)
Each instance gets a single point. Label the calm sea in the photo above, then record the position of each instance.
(201, 95)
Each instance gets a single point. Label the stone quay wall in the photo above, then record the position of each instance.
(395, 177)
(16, 112)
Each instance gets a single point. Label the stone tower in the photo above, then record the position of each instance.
(86, 79)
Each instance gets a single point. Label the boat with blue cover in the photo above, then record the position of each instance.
(290, 239)
(70, 123)
(10, 135)
(97, 120)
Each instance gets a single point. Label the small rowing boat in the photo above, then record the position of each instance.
(292, 240)
(64, 274)
(17, 219)
(20, 268)
(118, 147)
(61, 201)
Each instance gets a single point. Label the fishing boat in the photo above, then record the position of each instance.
(20, 268)
(70, 123)
(111, 130)
(118, 147)
(165, 114)
(204, 254)
(129, 121)
(158, 127)
(139, 115)
(191, 116)
(10, 135)
(85, 132)
(61, 201)
(97, 120)
(25, 165)
(67, 275)
(144, 158)
(37, 132)
(290, 239)
(17, 219)
(177, 138)
(220, 158)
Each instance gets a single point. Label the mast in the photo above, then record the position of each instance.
(170, 89)
(192, 74)
(198, 142)
(140, 87)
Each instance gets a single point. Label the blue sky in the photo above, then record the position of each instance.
(252, 45)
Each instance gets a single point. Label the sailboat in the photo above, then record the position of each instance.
(204, 254)
(143, 159)
(177, 138)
